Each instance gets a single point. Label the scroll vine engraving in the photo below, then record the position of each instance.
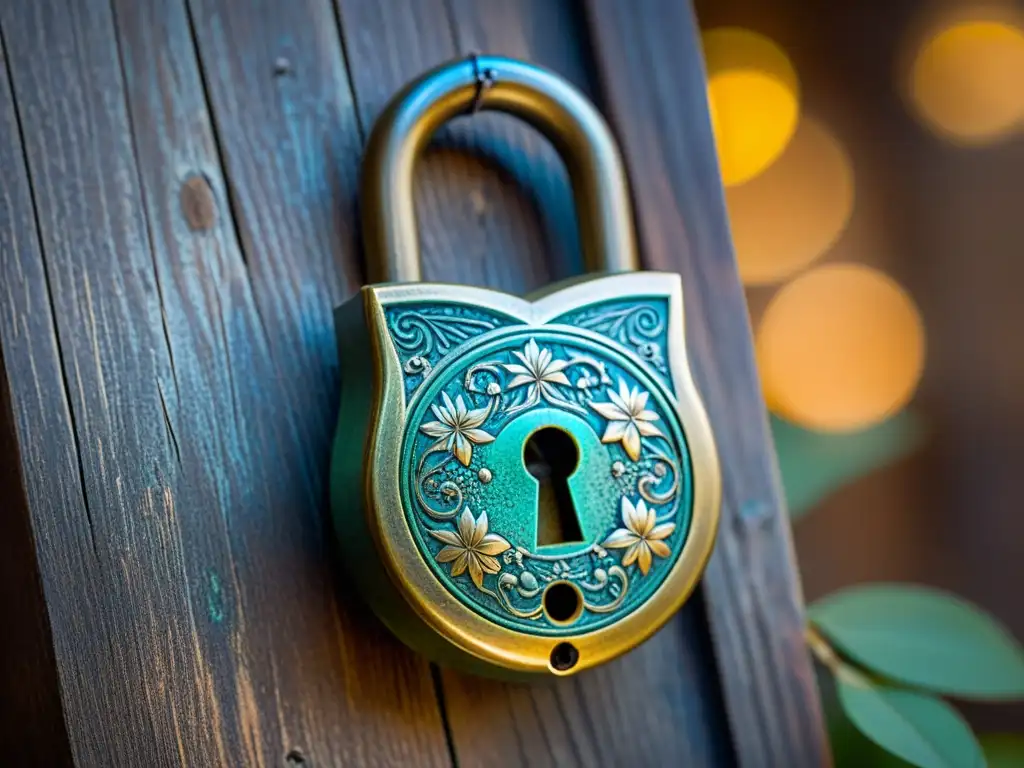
(425, 334)
(639, 327)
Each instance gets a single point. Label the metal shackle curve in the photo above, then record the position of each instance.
(541, 98)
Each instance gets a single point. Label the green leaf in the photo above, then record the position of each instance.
(1003, 750)
(850, 747)
(924, 638)
(814, 464)
(919, 728)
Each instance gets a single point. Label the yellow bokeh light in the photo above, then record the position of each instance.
(967, 81)
(792, 213)
(753, 98)
(840, 348)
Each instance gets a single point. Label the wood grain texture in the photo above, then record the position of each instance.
(79, 162)
(484, 192)
(188, 579)
(343, 691)
(32, 728)
(650, 64)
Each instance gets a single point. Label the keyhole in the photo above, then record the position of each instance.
(551, 456)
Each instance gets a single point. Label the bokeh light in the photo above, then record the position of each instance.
(967, 81)
(840, 348)
(791, 214)
(753, 98)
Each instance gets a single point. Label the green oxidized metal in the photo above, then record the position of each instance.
(479, 384)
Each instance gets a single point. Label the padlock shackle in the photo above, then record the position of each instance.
(546, 101)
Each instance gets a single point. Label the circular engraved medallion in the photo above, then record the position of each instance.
(472, 503)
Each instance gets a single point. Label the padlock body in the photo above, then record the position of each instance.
(436, 508)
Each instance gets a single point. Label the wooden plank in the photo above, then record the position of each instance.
(483, 195)
(318, 664)
(187, 580)
(32, 730)
(93, 547)
(650, 63)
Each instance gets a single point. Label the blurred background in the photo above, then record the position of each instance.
(873, 159)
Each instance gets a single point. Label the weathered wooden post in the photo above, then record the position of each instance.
(177, 223)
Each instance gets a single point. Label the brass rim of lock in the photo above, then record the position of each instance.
(457, 623)
(559, 111)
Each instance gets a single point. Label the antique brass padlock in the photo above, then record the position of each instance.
(470, 417)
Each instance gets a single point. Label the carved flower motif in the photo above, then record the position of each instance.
(459, 426)
(471, 547)
(539, 370)
(628, 418)
(641, 537)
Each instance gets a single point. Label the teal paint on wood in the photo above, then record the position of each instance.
(214, 598)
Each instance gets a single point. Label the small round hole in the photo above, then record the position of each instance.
(564, 657)
(563, 602)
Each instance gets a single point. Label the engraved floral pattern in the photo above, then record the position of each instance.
(470, 547)
(457, 470)
(642, 537)
(628, 418)
(538, 370)
(458, 427)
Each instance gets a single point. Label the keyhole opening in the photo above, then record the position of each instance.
(551, 456)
